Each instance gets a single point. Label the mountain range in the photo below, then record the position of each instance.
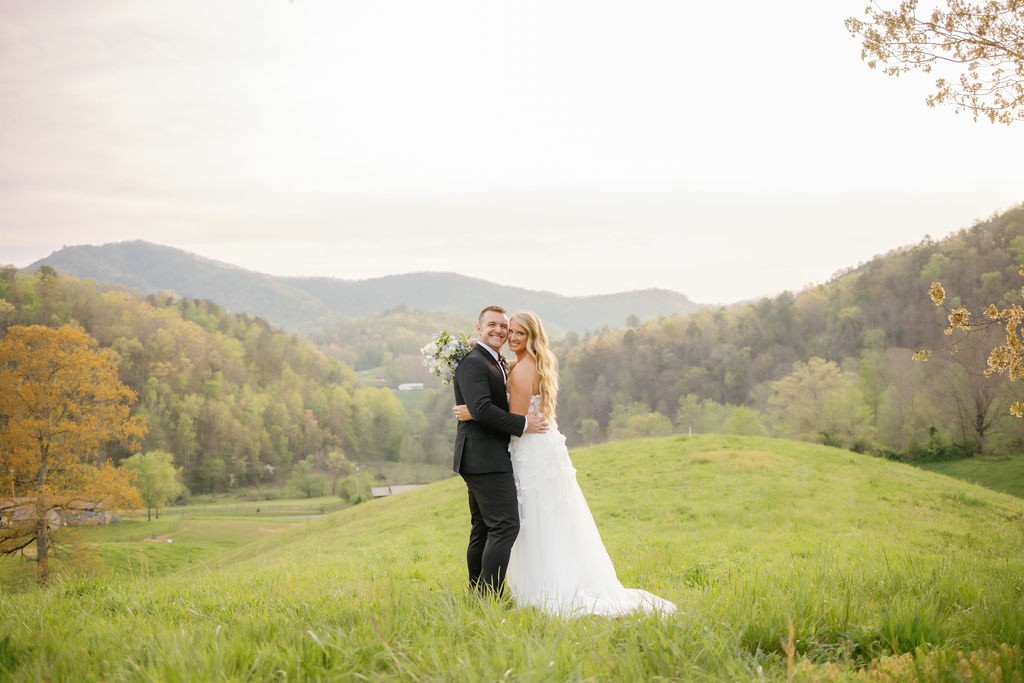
(307, 304)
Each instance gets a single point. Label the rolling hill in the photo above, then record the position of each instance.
(787, 560)
(315, 303)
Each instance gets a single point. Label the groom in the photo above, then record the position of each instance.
(481, 452)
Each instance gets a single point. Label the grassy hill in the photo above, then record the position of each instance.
(1004, 474)
(878, 568)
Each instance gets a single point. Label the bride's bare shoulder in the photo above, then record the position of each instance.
(524, 376)
(525, 366)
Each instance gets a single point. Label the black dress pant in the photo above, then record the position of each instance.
(494, 513)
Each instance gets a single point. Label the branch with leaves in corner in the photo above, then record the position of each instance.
(979, 46)
(1005, 358)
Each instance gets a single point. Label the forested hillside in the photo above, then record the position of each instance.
(235, 400)
(390, 340)
(832, 363)
(238, 401)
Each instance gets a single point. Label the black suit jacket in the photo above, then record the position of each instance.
(481, 444)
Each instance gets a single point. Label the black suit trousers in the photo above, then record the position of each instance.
(494, 513)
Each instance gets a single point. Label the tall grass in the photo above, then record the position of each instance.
(878, 568)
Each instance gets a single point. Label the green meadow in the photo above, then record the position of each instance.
(1001, 473)
(788, 561)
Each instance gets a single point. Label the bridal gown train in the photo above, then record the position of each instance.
(559, 562)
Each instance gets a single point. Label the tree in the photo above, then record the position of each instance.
(982, 43)
(305, 480)
(980, 401)
(818, 401)
(157, 479)
(872, 383)
(1006, 358)
(744, 421)
(61, 401)
(589, 431)
(337, 466)
(635, 421)
(701, 417)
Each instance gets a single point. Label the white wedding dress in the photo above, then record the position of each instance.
(559, 562)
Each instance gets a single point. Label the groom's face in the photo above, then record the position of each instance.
(493, 329)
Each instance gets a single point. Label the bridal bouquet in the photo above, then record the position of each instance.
(443, 354)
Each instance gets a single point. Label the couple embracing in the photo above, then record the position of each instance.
(531, 526)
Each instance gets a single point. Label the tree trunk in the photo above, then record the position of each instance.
(43, 528)
(42, 548)
(149, 514)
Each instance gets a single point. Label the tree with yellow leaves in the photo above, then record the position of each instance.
(1005, 358)
(982, 45)
(60, 400)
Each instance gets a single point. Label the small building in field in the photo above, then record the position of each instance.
(411, 386)
(75, 513)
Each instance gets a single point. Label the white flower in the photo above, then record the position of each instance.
(443, 354)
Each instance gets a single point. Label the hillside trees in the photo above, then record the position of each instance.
(386, 339)
(238, 402)
(976, 50)
(61, 402)
(233, 399)
(696, 369)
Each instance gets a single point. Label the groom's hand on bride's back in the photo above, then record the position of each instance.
(535, 424)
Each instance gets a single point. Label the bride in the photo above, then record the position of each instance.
(558, 562)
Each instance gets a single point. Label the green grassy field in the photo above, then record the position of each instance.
(182, 537)
(998, 474)
(881, 570)
(284, 507)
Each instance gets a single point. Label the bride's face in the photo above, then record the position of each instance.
(517, 337)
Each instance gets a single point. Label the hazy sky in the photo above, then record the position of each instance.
(723, 150)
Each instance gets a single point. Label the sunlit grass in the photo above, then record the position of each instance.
(867, 559)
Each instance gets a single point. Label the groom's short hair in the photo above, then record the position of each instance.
(496, 309)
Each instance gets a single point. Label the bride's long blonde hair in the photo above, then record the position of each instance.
(547, 364)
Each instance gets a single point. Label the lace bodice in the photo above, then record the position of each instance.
(534, 403)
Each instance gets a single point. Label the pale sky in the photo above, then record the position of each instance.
(724, 150)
